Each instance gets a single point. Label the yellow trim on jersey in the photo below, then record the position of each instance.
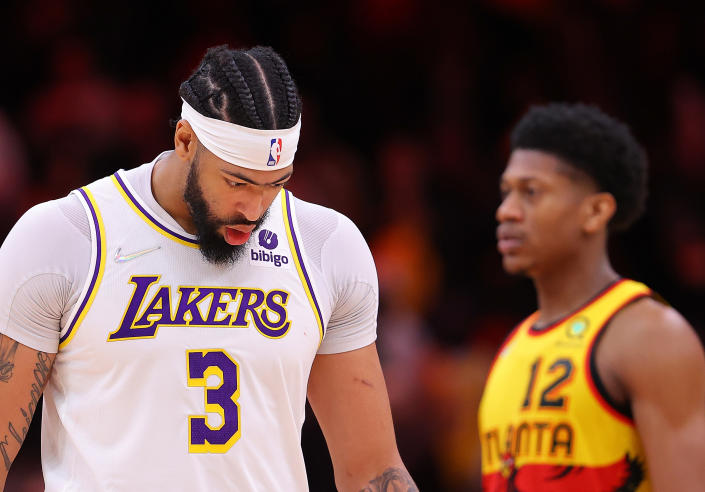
(147, 219)
(297, 261)
(101, 269)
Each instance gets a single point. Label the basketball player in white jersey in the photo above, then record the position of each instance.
(177, 315)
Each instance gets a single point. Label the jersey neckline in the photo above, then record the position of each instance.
(533, 330)
(143, 210)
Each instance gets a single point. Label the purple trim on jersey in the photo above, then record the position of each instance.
(301, 260)
(96, 269)
(148, 215)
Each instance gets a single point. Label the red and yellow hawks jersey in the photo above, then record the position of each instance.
(545, 420)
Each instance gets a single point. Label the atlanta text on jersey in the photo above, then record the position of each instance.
(530, 440)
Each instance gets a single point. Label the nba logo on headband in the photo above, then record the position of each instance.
(251, 148)
(275, 151)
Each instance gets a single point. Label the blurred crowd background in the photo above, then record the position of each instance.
(408, 105)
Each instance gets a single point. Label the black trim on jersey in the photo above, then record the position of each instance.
(535, 329)
(625, 409)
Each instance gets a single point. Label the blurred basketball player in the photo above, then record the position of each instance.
(603, 388)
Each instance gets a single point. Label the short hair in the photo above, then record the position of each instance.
(587, 139)
(251, 88)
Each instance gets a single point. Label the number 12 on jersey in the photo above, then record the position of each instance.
(220, 398)
(561, 371)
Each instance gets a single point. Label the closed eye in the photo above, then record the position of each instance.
(238, 184)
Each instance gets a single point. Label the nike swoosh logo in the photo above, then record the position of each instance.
(122, 258)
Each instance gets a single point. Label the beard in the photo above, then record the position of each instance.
(211, 243)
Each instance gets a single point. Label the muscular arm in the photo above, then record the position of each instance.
(23, 374)
(40, 287)
(658, 360)
(349, 397)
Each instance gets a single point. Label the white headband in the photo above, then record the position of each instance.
(265, 150)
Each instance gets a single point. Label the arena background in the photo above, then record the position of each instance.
(407, 109)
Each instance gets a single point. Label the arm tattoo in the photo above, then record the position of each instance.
(392, 480)
(41, 371)
(8, 347)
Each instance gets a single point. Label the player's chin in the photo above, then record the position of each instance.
(514, 264)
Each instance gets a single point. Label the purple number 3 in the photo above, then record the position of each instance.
(220, 398)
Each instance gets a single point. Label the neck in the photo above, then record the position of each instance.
(168, 183)
(566, 288)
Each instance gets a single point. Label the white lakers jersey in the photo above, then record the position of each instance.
(175, 374)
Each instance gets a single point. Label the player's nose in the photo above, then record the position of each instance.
(252, 203)
(509, 209)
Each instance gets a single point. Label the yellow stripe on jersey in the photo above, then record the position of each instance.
(149, 220)
(96, 221)
(299, 264)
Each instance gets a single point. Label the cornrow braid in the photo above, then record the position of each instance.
(252, 88)
(292, 95)
(255, 62)
(236, 80)
(190, 95)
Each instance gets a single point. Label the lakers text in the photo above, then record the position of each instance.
(150, 308)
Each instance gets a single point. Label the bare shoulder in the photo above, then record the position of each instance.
(649, 341)
(650, 323)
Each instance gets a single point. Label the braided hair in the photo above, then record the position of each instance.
(251, 88)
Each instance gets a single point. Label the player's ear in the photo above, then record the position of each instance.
(598, 209)
(184, 141)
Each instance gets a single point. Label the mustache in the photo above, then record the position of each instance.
(238, 219)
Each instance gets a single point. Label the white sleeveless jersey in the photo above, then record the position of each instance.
(175, 374)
